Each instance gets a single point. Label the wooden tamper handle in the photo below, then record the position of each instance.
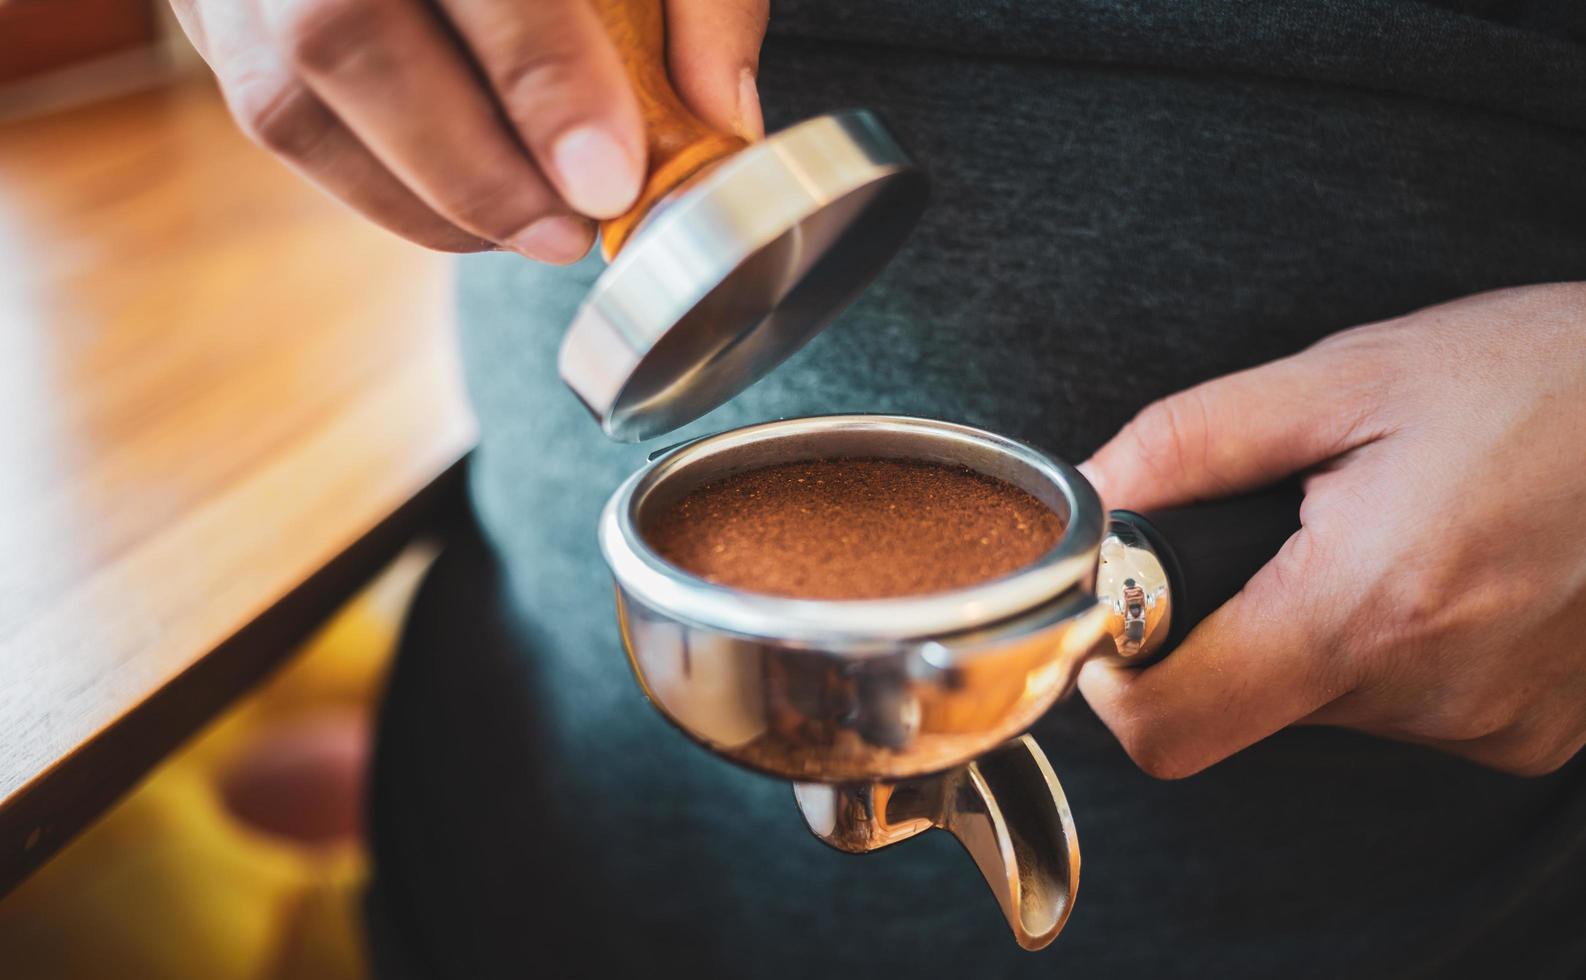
(678, 142)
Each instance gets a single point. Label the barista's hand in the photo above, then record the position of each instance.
(468, 124)
(1437, 590)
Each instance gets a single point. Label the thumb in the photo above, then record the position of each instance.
(1270, 657)
(713, 53)
(1238, 432)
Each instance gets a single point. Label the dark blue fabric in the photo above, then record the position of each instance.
(1517, 58)
(1130, 198)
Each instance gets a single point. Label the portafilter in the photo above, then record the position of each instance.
(895, 716)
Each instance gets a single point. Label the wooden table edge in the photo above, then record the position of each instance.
(47, 812)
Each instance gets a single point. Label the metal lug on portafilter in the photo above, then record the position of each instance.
(1133, 586)
(1006, 808)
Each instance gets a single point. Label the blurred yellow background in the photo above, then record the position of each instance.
(172, 884)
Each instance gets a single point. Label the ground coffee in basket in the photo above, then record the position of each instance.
(854, 529)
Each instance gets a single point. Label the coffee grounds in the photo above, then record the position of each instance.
(854, 529)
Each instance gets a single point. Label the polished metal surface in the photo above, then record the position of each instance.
(834, 691)
(1006, 808)
(737, 270)
(903, 708)
(824, 715)
(1133, 587)
(851, 627)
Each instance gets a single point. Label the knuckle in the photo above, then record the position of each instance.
(488, 206)
(280, 115)
(1164, 434)
(1304, 559)
(1331, 512)
(1418, 599)
(532, 88)
(1462, 720)
(534, 68)
(1544, 746)
(1166, 766)
(1443, 604)
(1154, 756)
(543, 63)
(1534, 759)
(323, 36)
(1473, 711)
(1360, 367)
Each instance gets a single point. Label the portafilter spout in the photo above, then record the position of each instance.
(1007, 810)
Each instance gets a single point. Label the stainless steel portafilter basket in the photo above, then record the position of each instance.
(896, 716)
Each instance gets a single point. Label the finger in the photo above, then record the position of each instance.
(1526, 748)
(191, 20)
(1239, 432)
(1522, 752)
(1269, 657)
(559, 79)
(283, 116)
(713, 54)
(387, 70)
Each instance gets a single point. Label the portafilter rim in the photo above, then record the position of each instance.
(853, 626)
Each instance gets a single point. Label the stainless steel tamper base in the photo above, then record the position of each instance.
(739, 268)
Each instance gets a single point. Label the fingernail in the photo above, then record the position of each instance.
(751, 125)
(598, 177)
(559, 239)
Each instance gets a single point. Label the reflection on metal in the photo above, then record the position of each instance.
(834, 691)
(1006, 808)
(893, 715)
(737, 269)
(1132, 586)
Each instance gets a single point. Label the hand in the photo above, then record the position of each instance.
(1436, 592)
(468, 124)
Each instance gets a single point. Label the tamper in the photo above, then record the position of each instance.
(735, 255)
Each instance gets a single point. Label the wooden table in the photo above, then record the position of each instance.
(224, 402)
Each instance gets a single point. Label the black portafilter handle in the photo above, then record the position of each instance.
(1163, 572)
